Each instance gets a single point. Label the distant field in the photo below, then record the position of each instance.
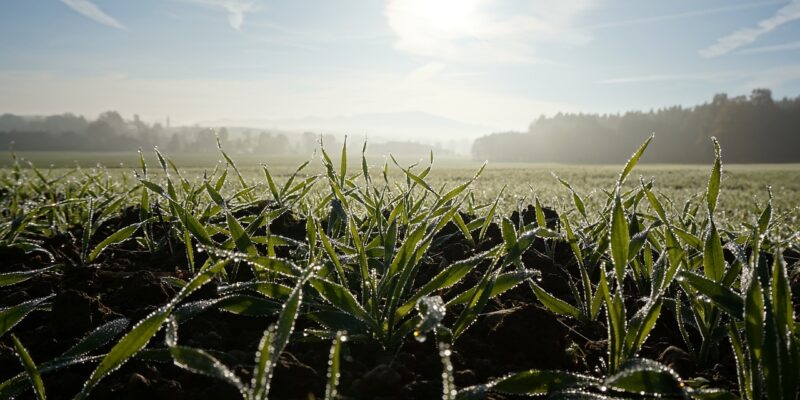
(744, 185)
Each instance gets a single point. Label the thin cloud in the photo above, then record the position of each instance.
(770, 49)
(683, 15)
(746, 80)
(236, 9)
(424, 73)
(91, 11)
(717, 76)
(774, 77)
(745, 36)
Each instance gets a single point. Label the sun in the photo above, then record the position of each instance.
(448, 17)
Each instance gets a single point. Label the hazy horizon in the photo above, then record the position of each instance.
(493, 65)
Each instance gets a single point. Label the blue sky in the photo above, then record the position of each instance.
(498, 63)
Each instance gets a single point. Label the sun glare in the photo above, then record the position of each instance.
(450, 17)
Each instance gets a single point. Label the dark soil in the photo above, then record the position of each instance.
(514, 333)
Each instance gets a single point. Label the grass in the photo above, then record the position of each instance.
(347, 252)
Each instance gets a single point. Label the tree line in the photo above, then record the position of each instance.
(751, 129)
(111, 132)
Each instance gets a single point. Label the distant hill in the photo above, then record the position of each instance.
(413, 125)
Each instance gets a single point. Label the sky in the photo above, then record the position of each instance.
(493, 63)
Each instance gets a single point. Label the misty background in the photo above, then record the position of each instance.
(752, 129)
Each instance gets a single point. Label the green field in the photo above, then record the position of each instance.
(228, 280)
